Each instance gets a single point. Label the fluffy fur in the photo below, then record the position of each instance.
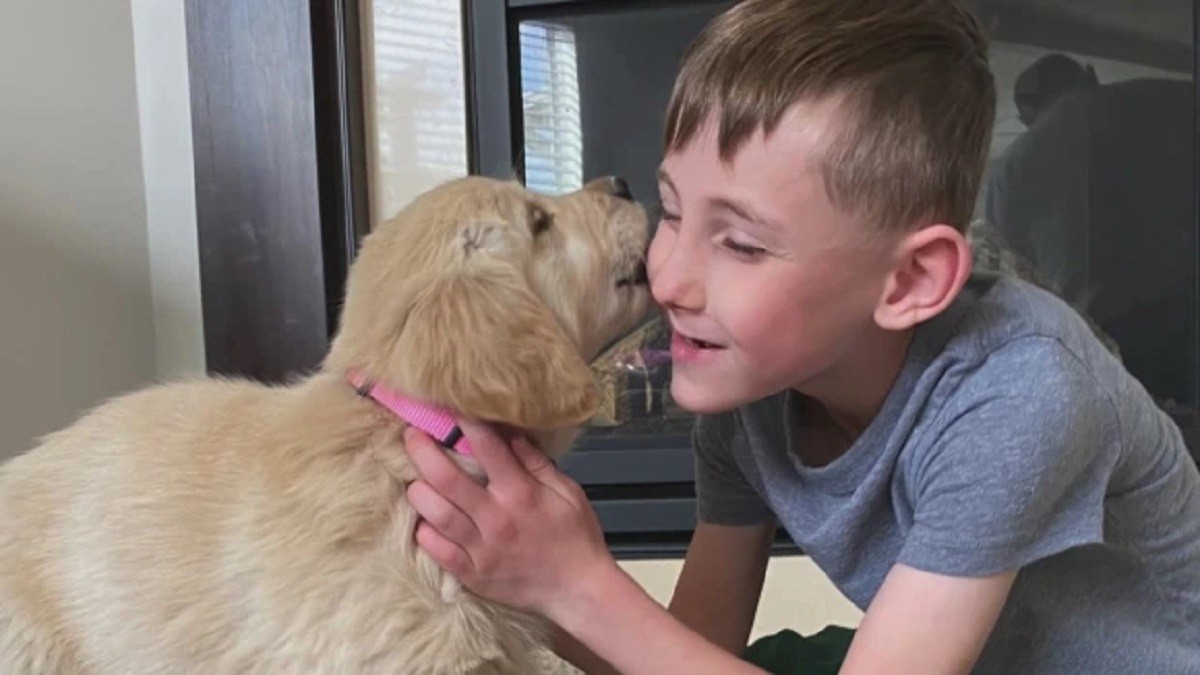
(220, 526)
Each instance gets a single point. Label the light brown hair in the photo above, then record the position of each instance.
(910, 79)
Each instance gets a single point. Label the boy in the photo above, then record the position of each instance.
(961, 456)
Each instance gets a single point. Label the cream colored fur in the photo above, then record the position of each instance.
(221, 526)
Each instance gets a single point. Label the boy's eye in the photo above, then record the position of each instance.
(661, 214)
(743, 249)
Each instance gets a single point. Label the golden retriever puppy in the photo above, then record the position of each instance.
(222, 526)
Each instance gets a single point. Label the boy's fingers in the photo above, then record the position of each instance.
(449, 556)
(442, 474)
(494, 454)
(535, 461)
(543, 469)
(445, 517)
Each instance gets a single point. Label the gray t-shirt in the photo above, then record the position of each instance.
(1010, 439)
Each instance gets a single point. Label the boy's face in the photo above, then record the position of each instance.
(766, 284)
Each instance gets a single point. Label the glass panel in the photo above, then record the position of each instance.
(623, 65)
(553, 159)
(1092, 171)
(1091, 176)
(416, 101)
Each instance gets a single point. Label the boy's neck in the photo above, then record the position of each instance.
(853, 391)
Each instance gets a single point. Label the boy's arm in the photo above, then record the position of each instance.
(721, 581)
(927, 623)
(716, 594)
(630, 630)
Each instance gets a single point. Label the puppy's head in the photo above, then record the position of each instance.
(491, 300)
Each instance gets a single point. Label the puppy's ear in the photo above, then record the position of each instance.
(481, 342)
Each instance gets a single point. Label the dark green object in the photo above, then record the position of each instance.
(789, 653)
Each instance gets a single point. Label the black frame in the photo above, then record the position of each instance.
(341, 143)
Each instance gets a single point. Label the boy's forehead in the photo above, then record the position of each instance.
(797, 141)
(776, 178)
(789, 155)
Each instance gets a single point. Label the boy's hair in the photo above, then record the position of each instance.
(910, 79)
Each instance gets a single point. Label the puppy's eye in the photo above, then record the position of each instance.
(540, 219)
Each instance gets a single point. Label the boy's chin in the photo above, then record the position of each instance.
(703, 398)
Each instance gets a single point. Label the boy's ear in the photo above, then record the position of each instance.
(932, 265)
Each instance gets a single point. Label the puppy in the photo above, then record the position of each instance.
(223, 526)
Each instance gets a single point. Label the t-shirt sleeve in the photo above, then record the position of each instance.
(723, 495)
(1018, 468)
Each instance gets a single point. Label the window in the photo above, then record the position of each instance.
(550, 101)
(416, 102)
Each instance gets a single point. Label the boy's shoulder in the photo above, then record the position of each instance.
(1006, 337)
(995, 258)
(1000, 318)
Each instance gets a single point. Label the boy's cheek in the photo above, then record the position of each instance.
(654, 260)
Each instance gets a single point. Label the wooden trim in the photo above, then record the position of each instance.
(280, 177)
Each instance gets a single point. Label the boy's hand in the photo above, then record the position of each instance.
(530, 540)
(526, 539)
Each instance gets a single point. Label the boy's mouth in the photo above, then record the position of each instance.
(690, 342)
(686, 349)
(699, 344)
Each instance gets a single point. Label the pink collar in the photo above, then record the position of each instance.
(434, 420)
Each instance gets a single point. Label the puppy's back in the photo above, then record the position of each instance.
(116, 513)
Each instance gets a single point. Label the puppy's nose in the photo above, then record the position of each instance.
(639, 273)
(621, 189)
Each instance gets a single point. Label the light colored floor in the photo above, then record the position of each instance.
(795, 595)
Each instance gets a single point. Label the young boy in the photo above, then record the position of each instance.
(959, 454)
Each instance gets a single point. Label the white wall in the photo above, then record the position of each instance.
(165, 121)
(75, 297)
(79, 310)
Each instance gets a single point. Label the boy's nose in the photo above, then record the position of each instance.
(674, 278)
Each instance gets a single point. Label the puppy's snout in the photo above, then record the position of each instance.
(640, 276)
(611, 185)
(621, 189)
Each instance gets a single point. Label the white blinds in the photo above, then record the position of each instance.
(553, 153)
(419, 107)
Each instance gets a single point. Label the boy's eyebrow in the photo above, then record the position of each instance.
(740, 209)
(745, 212)
(663, 177)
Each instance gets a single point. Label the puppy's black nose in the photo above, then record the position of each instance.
(639, 273)
(621, 189)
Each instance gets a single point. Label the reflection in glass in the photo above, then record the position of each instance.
(1093, 180)
(416, 101)
(1090, 186)
(553, 158)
